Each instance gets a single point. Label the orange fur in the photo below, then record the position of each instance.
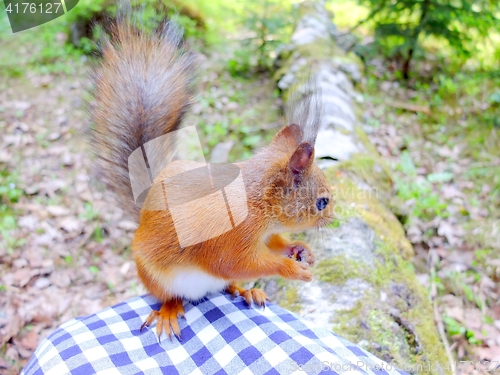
(251, 250)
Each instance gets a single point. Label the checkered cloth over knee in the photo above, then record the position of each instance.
(219, 336)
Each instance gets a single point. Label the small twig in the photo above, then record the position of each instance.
(410, 107)
(491, 164)
(437, 316)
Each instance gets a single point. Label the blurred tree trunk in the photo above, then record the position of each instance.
(414, 39)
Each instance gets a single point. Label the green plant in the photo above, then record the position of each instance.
(455, 328)
(97, 235)
(269, 23)
(495, 98)
(9, 190)
(7, 226)
(90, 213)
(400, 25)
(425, 203)
(9, 194)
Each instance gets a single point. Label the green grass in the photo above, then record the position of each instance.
(9, 194)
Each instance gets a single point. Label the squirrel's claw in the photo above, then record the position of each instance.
(152, 316)
(166, 319)
(258, 296)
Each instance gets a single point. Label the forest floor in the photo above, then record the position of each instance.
(65, 247)
(443, 144)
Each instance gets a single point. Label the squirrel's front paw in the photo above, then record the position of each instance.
(303, 273)
(296, 270)
(300, 252)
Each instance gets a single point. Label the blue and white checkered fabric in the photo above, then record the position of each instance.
(219, 336)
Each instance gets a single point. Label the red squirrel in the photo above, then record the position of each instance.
(143, 87)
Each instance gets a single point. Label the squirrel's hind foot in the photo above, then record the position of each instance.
(166, 318)
(257, 296)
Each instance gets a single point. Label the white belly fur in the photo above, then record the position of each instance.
(193, 284)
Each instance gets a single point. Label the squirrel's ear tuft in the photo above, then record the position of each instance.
(301, 159)
(291, 134)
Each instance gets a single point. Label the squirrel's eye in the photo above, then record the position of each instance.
(321, 203)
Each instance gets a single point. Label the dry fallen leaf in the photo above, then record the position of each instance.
(451, 191)
(489, 353)
(41, 283)
(127, 225)
(456, 313)
(52, 186)
(29, 222)
(125, 268)
(30, 340)
(57, 210)
(12, 353)
(453, 233)
(4, 364)
(71, 224)
(22, 277)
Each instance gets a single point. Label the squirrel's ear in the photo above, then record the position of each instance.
(301, 160)
(289, 134)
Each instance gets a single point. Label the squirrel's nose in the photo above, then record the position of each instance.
(321, 203)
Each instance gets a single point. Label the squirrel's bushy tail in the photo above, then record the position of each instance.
(142, 89)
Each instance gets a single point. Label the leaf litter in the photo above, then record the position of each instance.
(67, 248)
(463, 227)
